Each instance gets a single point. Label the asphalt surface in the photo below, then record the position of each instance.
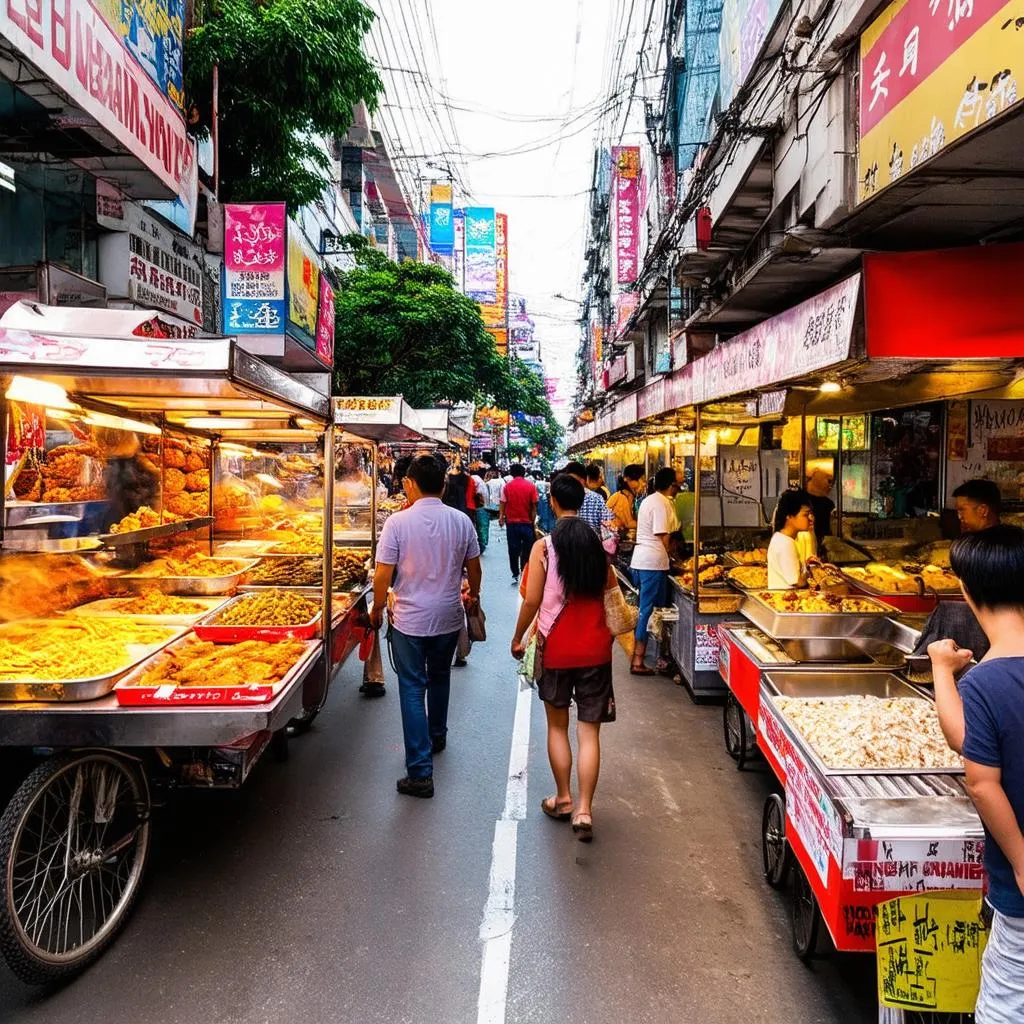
(316, 894)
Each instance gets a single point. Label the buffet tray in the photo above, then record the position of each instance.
(130, 695)
(106, 608)
(71, 690)
(189, 586)
(116, 540)
(733, 562)
(805, 625)
(207, 628)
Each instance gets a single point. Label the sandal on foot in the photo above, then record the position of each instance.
(583, 828)
(641, 670)
(549, 805)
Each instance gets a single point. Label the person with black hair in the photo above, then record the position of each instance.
(983, 720)
(786, 568)
(655, 523)
(430, 545)
(595, 481)
(622, 504)
(978, 505)
(594, 511)
(518, 512)
(568, 575)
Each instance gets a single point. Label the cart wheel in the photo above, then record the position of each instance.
(279, 744)
(775, 855)
(74, 841)
(735, 729)
(302, 723)
(806, 917)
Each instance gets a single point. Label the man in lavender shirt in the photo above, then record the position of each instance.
(429, 543)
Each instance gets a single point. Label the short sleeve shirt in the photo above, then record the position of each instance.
(519, 496)
(594, 511)
(993, 697)
(784, 564)
(429, 543)
(656, 516)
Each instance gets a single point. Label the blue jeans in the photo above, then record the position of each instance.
(653, 587)
(424, 665)
(520, 542)
(483, 528)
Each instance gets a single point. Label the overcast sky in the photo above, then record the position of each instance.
(517, 73)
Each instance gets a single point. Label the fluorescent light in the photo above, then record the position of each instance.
(234, 448)
(38, 392)
(220, 423)
(830, 387)
(102, 419)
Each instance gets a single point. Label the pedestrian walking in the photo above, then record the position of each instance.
(517, 513)
(494, 487)
(430, 544)
(482, 517)
(568, 576)
(655, 523)
(594, 512)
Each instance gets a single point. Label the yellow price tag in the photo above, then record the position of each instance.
(929, 951)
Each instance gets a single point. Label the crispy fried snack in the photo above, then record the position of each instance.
(272, 608)
(174, 481)
(198, 663)
(197, 481)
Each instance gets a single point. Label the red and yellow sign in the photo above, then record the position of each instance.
(488, 418)
(932, 71)
(496, 314)
(500, 340)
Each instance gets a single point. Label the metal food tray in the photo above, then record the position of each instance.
(805, 625)
(72, 690)
(739, 586)
(734, 563)
(896, 688)
(116, 540)
(208, 629)
(212, 694)
(190, 586)
(105, 608)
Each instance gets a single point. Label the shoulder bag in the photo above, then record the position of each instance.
(619, 616)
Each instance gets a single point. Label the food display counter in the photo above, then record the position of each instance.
(197, 620)
(694, 639)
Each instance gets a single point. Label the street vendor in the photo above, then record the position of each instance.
(787, 568)
(978, 505)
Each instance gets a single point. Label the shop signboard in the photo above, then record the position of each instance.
(624, 412)
(705, 648)
(745, 28)
(153, 266)
(254, 268)
(325, 323)
(626, 212)
(442, 222)
(931, 73)
(495, 314)
(303, 287)
(617, 370)
(679, 389)
(481, 271)
(73, 47)
(625, 305)
(350, 409)
(459, 250)
(651, 400)
(500, 337)
(739, 470)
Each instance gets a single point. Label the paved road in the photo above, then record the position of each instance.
(315, 894)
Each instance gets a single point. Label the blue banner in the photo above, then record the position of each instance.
(481, 270)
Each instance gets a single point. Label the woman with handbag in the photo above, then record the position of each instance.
(569, 575)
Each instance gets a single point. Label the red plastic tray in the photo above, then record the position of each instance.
(207, 628)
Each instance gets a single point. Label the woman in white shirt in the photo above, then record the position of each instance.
(787, 569)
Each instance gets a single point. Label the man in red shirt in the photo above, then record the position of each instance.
(517, 512)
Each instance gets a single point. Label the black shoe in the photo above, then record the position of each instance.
(438, 745)
(423, 788)
(372, 690)
(460, 662)
(515, 580)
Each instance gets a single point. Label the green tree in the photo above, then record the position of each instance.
(289, 70)
(403, 328)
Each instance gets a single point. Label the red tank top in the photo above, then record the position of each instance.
(580, 637)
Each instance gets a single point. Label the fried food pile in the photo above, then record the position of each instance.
(198, 565)
(159, 604)
(301, 546)
(349, 570)
(708, 574)
(69, 472)
(937, 578)
(811, 602)
(31, 586)
(825, 577)
(750, 577)
(185, 469)
(885, 578)
(759, 556)
(272, 608)
(871, 732)
(73, 648)
(143, 519)
(199, 663)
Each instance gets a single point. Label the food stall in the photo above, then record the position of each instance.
(168, 607)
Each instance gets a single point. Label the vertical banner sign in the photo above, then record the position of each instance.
(496, 313)
(481, 255)
(303, 286)
(930, 74)
(442, 223)
(254, 258)
(325, 323)
(459, 252)
(500, 336)
(626, 211)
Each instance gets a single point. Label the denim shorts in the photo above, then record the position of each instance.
(1001, 999)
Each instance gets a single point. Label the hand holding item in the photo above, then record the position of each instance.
(947, 655)
(376, 617)
(518, 649)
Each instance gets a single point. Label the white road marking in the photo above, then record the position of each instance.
(499, 911)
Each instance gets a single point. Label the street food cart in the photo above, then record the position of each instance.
(169, 606)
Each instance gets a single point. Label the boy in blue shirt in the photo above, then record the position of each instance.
(984, 721)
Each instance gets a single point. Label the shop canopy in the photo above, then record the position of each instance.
(379, 418)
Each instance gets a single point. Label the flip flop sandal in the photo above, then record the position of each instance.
(643, 670)
(550, 807)
(583, 830)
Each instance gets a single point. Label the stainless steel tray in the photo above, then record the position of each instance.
(106, 608)
(820, 649)
(734, 563)
(189, 586)
(842, 682)
(116, 540)
(875, 592)
(802, 625)
(72, 690)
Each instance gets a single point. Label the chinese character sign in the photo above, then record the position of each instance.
(481, 269)
(494, 314)
(442, 221)
(459, 252)
(626, 211)
(254, 268)
(303, 285)
(931, 72)
(325, 323)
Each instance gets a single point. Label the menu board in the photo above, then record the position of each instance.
(986, 439)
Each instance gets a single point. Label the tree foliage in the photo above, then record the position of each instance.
(289, 70)
(404, 329)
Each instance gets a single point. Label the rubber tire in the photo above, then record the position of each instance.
(279, 744)
(301, 724)
(806, 917)
(22, 963)
(775, 866)
(734, 727)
